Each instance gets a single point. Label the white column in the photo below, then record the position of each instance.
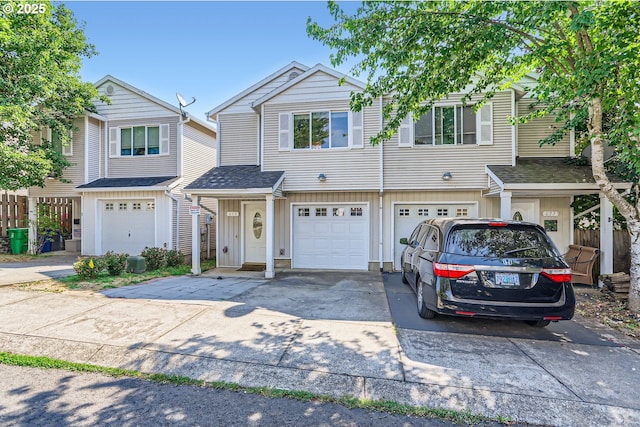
(33, 218)
(195, 236)
(606, 236)
(269, 272)
(505, 204)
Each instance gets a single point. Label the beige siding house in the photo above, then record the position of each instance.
(130, 161)
(300, 186)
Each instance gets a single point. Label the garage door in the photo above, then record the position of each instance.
(128, 225)
(406, 217)
(331, 236)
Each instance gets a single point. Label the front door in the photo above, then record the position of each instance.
(255, 248)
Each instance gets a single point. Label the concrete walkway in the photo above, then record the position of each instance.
(42, 268)
(328, 333)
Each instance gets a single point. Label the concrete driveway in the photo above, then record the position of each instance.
(41, 268)
(332, 333)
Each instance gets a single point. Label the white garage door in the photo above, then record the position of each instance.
(331, 236)
(407, 217)
(127, 225)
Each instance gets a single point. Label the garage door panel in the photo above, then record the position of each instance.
(127, 226)
(331, 241)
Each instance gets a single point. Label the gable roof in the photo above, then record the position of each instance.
(310, 72)
(238, 177)
(292, 65)
(149, 97)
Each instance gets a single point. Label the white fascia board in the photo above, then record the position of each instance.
(238, 192)
(317, 68)
(277, 184)
(96, 116)
(256, 86)
(556, 186)
(494, 177)
(118, 189)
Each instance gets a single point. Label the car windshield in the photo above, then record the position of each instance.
(513, 241)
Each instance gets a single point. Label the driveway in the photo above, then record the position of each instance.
(40, 268)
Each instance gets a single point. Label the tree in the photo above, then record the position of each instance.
(586, 55)
(41, 47)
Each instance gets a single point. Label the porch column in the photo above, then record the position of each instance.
(195, 235)
(269, 272)
(505, 204)
(606, 236)
(32, 209)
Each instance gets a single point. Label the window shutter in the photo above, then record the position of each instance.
(356, 129)
(164, 140)
(67, 149)
(285, 132)
(484, 125)
(405, 133)
(114, 142)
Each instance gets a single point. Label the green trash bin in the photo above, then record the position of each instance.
(19, 240)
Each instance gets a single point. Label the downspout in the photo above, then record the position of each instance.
(380, 197)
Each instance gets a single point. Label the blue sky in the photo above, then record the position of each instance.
(210, 50)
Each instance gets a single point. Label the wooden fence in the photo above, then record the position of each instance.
(621, 242)
(13, 213)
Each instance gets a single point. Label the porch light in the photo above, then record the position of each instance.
(447, 176)
(322, 177)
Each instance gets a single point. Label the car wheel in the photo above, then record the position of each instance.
(404, 277)
(538, 323)
(423, 311)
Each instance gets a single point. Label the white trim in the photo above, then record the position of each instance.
(514, 128)
(368, 216)
(393, 219)
(310, 114)
(261, 139)
(86, 149)
(494, 177)
(195, 239)
(572, 139)
(256, 86)
(308, 73)
(270, 237)
(106, 149)
(243, 207)
(480, 123)
(407, 124)
(218, 142)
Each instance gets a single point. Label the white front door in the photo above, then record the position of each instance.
(524, 211)
(255, 232)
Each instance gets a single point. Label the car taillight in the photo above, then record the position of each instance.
(497, 224)
(557, 275)
(451, 271)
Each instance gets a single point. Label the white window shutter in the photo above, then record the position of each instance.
(356, 129)
(484, 125)
(114, 142)
(67, 149)
(405, 133)
(284, 143)
(164, 140)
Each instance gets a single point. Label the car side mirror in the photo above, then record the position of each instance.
(404, 241)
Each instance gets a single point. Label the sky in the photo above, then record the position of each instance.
(210, 50)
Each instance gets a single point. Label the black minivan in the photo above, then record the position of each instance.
(487, 268)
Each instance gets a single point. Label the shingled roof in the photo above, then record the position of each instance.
(546, 170)
(236, 177)
(147, 181)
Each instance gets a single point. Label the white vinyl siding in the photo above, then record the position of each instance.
(422, 167)
(95, 149)
(530, 134)
(126, 104)
(74, 173)
(148, 165)
(345, 169)
(239, 139)
(319, 87)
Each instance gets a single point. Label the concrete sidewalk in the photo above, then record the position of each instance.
(42, 268)
(328, 333)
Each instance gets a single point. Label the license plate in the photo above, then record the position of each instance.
(510, 280)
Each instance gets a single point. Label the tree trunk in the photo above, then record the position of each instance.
(625, 208)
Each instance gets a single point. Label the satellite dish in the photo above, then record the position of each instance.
(183, 103)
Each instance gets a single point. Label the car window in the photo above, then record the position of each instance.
(421, 234)
(430, 241)
(511, 241)
(414, 235)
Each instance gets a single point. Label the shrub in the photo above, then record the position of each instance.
(89, 268)
(115, 263)
(155, 258)
(175, 258)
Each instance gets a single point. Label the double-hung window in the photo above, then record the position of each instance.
(140, 141)
(152, 140)
(321, 129)
(449, 125)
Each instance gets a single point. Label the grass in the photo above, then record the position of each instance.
(462, 418)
